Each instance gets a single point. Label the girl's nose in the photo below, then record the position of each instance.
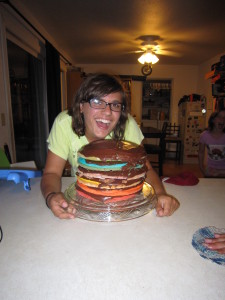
(108, 109)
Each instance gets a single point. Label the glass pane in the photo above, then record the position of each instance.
(26, 81)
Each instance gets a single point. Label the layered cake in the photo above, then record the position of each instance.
(111, 171)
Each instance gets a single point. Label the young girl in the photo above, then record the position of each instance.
(99, 111)
(213, 139)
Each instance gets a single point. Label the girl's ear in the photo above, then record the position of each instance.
(81, 107)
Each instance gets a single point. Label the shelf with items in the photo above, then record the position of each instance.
(156, 100)
(217, 76)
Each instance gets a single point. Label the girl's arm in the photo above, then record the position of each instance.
(51, 187)
(167, 204)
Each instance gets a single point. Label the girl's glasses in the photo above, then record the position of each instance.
(101, 104)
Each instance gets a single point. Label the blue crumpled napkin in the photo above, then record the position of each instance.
(198, 240)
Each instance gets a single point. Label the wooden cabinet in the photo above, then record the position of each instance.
(127, 82)
(156, 100)
(74, 79)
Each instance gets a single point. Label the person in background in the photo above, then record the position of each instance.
(99, 111)
(213, 139)
(217, 244)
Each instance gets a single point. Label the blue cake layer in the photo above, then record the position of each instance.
(92, 166)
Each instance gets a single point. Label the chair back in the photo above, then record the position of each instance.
(7, 153)
(4, 163)
(162, 143)
(173, 130)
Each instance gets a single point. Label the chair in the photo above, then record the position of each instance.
(4, 162)
(7, 153)
(173, 137)
(67, 170)
(159, 150)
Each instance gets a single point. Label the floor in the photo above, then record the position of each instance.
(172, 168)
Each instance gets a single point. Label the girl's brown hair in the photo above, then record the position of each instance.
(212, 117)
(97, 86)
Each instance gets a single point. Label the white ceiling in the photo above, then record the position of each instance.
(106, 31)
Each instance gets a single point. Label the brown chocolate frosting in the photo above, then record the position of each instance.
(113, 150)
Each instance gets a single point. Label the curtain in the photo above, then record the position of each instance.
(37, 124)
(53, 82)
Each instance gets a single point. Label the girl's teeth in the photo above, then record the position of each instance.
(103, 121)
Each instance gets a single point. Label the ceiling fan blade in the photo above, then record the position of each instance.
(167, 53)
(136, 51)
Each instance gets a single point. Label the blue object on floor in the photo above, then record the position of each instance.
(20, 176)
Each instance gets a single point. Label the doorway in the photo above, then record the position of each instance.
(28, 108)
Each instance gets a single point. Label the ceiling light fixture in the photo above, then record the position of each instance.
(148, 58)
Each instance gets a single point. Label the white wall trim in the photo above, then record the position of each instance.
(5, 96)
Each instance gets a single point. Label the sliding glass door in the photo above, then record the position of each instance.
(28, 107)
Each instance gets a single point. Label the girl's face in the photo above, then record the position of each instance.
(219, 121)
(100, 122)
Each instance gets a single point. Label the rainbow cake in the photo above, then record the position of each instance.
(111, 171)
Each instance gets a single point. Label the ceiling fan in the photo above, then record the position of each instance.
(150, 47)
(152, 42)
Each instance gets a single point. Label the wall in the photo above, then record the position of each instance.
(184, 82)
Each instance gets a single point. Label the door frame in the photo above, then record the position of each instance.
(14, 28)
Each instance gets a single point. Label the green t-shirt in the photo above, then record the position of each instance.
(63, 142)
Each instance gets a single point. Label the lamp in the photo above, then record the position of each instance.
(148, 57)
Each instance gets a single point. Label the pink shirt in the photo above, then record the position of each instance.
(215, 149)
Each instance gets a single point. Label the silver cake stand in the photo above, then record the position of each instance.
(112, 212)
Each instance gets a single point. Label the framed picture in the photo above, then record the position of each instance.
(127, 82)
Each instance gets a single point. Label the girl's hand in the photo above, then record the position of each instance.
(60, 207)
(217, 243)
(166, 205)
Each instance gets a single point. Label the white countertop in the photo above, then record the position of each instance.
(42, 257)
